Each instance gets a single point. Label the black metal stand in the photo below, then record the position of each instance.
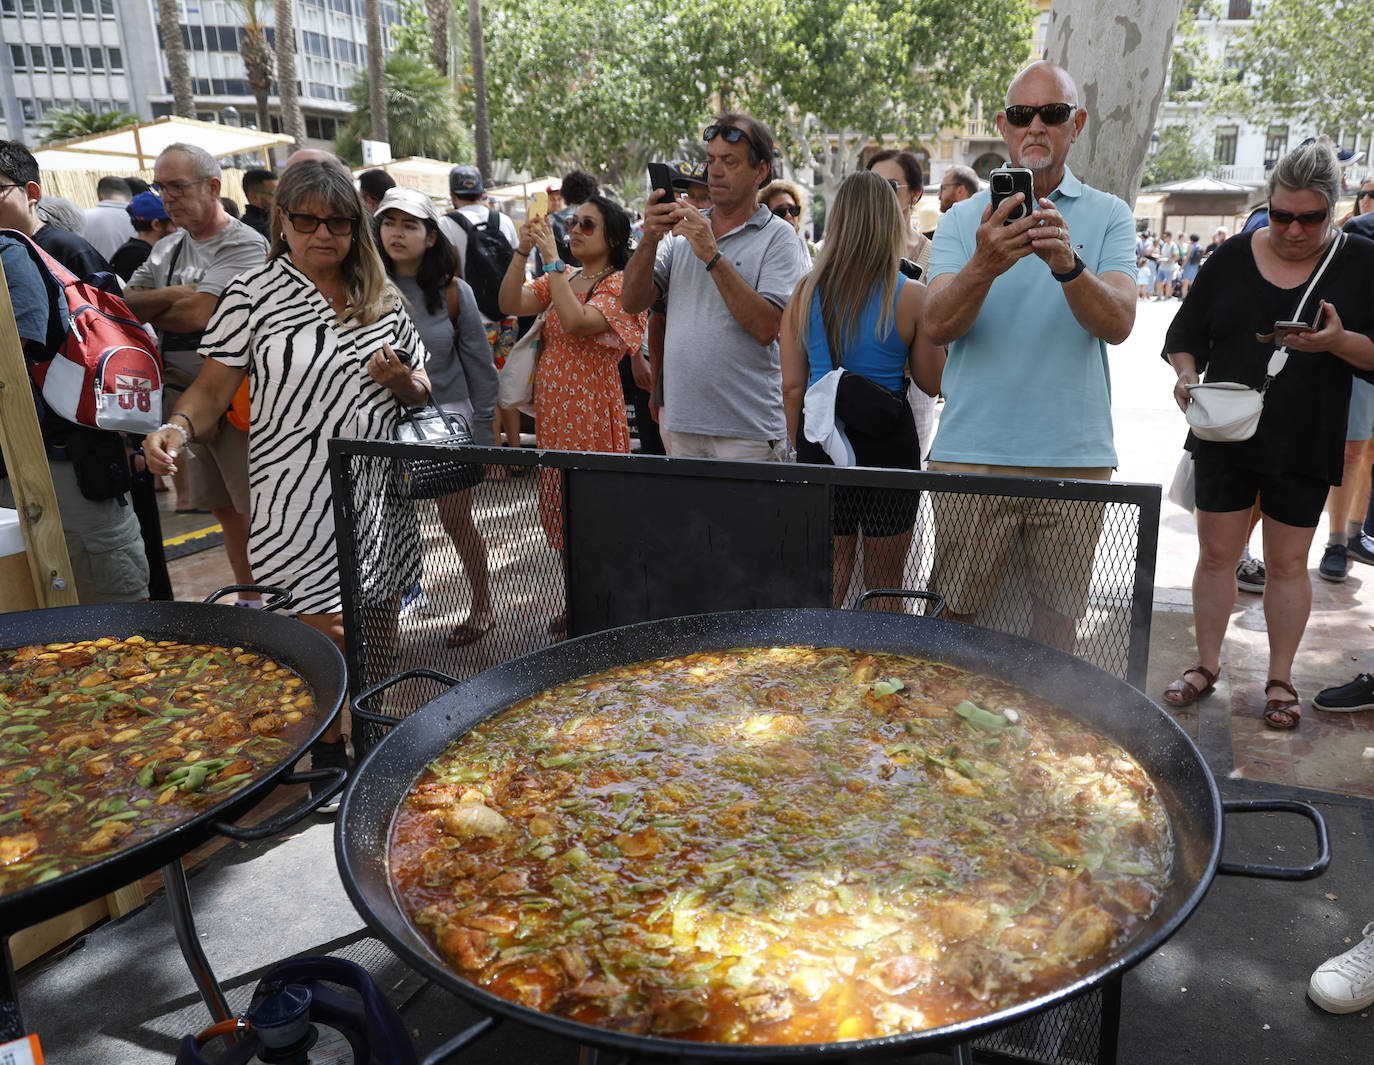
(184, 922)
(11, 1021)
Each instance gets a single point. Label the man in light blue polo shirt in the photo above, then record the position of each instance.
(1027, 309)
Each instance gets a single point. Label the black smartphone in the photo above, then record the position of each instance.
(661, 178)
(1006, 182)
(1283, 330)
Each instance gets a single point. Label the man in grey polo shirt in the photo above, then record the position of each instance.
(725, 275)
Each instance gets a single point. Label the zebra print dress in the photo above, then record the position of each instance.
(308, 381)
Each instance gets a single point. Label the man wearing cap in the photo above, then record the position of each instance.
(724, 275)
(150, 224)
(107, 223)
(690, 179)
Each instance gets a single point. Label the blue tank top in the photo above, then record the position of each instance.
(881, 360)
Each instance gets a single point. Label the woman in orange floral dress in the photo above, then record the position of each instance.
(578, 402)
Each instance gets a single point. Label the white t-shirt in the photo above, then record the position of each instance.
(108, 226)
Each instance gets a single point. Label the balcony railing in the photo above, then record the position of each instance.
(981, 128)
(1248, 175)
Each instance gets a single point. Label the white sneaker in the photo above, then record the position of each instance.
(1345, 983)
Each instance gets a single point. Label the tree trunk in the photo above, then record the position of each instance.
(292, 121)
(481, 122)
(376, 71)
(437, 11)
(1119, 55)
(178, 69)
(257, 65)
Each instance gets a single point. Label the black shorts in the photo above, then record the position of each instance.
(1291, 498)
(878, 511)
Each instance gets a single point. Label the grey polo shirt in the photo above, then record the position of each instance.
(717, 379)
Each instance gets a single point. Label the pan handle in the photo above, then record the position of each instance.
(904, 593)
(363, 698)
(1269, 872)
(277, 598)
(336, 775)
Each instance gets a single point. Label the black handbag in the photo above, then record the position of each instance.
(430, 478)
(865, 407)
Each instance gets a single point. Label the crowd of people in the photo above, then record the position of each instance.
(328, 307)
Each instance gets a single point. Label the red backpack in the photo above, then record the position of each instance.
(104, 371)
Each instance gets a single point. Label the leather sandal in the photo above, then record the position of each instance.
(1281, 713)
(1183, 692)
(469, 632)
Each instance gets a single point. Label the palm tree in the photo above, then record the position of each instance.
(178, 69)
(376, 71)
(257, 58)
(292, 121)
(76, 121)
(437, 12)
(481, 121)
(424, 116)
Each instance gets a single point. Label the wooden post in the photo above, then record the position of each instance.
(26, 461)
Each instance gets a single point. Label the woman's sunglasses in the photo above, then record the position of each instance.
(1022, 115)
(1307, 219)
(585, 222)
(1366, 193)
(338, 225)
(787, 210)
(732, 135)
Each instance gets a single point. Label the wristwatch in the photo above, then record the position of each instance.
(558, 266)
(1078, 267)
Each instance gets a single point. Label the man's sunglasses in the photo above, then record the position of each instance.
(1366, 192)
(1022, 115)
(787, 210)
(586, 223)
(732, 135)
(1307, 219)
(338, 225)
(895, 184)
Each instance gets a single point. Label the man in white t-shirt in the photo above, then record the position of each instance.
(107, 223)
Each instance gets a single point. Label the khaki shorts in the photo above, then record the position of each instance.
(104, 542)
(697, 446)
(219, 470)
(979, 538)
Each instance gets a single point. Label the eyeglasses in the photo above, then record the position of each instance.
(1022, 115)
(1362, 195)
(174, 188)
(732, 135)
(1307, 219)
(787, 210)
(338, 225)
(586, 223)
(896, 184)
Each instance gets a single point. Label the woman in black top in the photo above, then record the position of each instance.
(1225, 329)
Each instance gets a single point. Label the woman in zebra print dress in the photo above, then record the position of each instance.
(329, 351)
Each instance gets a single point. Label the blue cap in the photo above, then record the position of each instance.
(147, 207)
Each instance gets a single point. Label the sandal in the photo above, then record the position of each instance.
(1182, 692)
(468, 632)
(1281, 713)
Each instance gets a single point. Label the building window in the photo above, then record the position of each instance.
(88, 8)
(107, 9)
(1225, 150)
(1238, 9)
(97, 60)
(1275, 144)
(50, 7)
(116, 59)
(69, 8)
(76, 58)
(9, 7)
(57, 57)
(37, 61)
(29, 6)
(320, 128)
(18, 57)
(987, 163)
(30, 111)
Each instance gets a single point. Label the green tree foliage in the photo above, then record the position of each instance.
(611, 83)
(1178, 158)
(421, 110)
(1309, 60)
(77, 121)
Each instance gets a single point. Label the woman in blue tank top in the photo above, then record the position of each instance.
(855, 312)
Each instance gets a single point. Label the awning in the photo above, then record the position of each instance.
(134, 147)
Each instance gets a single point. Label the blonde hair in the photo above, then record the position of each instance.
(370, 292)
(774, 187)
(1311, 165)
(865, 237)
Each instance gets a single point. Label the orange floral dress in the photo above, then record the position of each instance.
(578, 403)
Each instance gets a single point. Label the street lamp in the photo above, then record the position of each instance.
(229, 114)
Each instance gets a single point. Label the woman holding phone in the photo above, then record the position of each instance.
(1226, 330)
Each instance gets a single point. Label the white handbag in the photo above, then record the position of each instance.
(515, 383)
(1229, 410)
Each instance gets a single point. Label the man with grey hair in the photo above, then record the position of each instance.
(176, 290)
(1027, 306)
(959, 183)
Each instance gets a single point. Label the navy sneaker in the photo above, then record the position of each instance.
(1348, 698)
(1335, 564)
(1361, 549)
(1250, 575)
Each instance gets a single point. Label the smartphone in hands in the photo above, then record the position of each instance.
(661, 178)
(1006, 182)
(1284, 330)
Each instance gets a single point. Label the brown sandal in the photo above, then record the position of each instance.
(1184, 693)
(1281, 713)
